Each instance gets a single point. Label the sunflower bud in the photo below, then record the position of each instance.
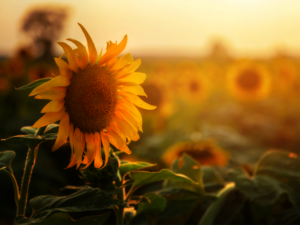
(102, 178)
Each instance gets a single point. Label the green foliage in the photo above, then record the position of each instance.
(28, 130)
(86, 199)
(64, 218)
(103, 178)
(30, 140)
(131, 166)
(142, 178)
(260, 189)
(34, 84)
(155, 206)
(211, 180)
(6, 158)
(190, 168)
(51, 128)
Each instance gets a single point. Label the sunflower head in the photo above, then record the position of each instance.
(190, 84)
(206, 152)
(248, 81)
(95, 99)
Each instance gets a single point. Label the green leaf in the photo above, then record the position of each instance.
(260, 189)
(64, 218)
(51, 128)
(34, 84)
(190, 168)
(225, 208)
(86, 199)
(6, 158)
(49, 136)
(179, 202)
(30, 140)
(211, 180)
(28, 130)
(282, 166)
(156, 205)
(131, 166)
(142, 178)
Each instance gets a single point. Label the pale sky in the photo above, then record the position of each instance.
(171, 27)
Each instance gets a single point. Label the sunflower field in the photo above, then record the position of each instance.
(94, 134)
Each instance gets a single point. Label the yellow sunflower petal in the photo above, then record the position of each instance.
(53, 106)
(122, 62)
(128, 106)
(79, 145)
(135, 77)
(91, 46)
(90, 149)
(132, 88)
(116, 140)
(50, 117)
(128, 69)
(125, 127)
(64, 67)
(98, 162)
(129, 118)
(56, 93)
(114, 52)
(63, 131)
(71, 56)
(105, 143)
(82, 53)
(137, 101)
(54, 82)
(72, 161)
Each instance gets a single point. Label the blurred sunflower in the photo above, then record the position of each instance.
(95, 99)
(206, 152)
(189, 84)
(248, 81)
(285, 76)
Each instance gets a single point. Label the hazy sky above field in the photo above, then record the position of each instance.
(171, 27)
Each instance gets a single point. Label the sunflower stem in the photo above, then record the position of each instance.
(29, 165)
(120, 196)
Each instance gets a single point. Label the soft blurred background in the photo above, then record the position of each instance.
(224, 75)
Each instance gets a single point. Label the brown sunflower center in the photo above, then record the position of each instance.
(194, 86)
(249, 80)
(91, 99)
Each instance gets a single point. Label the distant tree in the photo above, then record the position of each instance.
(44, 25)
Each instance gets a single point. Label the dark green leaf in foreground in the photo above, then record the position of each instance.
(211, 180)
(142, 178)
(34, 84)
(6, 158)
(260, 189)
(51, 128)
(156, 204)
(28, 130)
(30, 140)
(282, 166)
(225, 208)
(65, 219)
(179, 202)
(86, 199)
(131, 166)
(190, 168)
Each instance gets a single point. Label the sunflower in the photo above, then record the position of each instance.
(248, 81)
(205, 152)
(95, 99)
(285, 76)
(189, 83)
